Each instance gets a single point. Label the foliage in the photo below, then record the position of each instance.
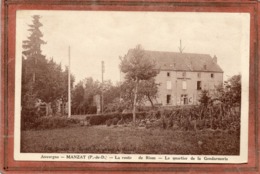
(137, 66)
(101, 119)
(115, 121)
(85, 91)
(29, 117)
(115, 106)
(83, 96)
(204, 98)
(127, 93)
(41, 78)
(32, 121)
(111, 92)
(33, 62)
(149, 89)
(109, 122)
(230, 92)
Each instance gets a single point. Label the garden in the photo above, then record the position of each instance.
(179, 130)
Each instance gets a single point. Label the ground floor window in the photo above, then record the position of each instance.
(168, 99)
(184, 99)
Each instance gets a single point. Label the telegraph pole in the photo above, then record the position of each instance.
(69, 97)
(102, 90)
(180, 48)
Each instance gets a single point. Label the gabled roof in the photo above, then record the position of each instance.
(182, 61)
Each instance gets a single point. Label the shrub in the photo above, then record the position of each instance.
(92, 110)
(28, 118)
(120, 122)
(109, 122)
(115, 121)
(101, 119)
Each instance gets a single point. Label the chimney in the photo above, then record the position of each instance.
(215, 59)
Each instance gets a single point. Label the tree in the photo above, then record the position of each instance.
(111, 92)
(137, 66)
(230, 92)
(33, 62)
(78, 98)
(128, 93)
(83, 95)
(149, 89)
(42, 78)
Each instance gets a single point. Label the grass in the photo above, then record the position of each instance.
(128, 140)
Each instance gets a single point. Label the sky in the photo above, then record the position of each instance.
(96, 36)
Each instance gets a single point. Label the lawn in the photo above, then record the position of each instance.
(129, 140)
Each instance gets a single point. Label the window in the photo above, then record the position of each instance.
(198, 85)
(212, 75)
(199, 75)
(168, 74)
(184, 99)
(183, 74)
(168, 99)
(169, 85)
(184, 85)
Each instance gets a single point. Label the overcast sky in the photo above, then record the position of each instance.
(100, 35)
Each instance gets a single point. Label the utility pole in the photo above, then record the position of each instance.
(180, 48)
(102, 90)
(69, 97)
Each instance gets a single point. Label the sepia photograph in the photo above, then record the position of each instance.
(122, 86)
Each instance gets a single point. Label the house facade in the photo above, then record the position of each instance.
(182, 76)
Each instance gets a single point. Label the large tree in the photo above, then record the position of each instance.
(42, 78)
(137, 67)
(83, 95)
(230, 92)
(33, 62)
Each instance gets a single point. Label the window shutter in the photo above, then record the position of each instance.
(169, 85)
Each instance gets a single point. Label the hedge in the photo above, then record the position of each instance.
(44, 123)
(101, 119)
(30, 120)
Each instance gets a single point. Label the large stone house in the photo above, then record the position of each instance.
(182, 76)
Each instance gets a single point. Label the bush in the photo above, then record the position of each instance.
(28, 118)
(92, 110)
(101, 119)
(109, 122)
(115, 121)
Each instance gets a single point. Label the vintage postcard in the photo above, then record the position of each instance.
(123, 86)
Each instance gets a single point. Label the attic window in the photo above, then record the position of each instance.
(199, 75)
(183, 74)
(205, 67)
(168, 74)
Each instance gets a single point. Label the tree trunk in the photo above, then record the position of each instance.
(149, 98)
(135, 101)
